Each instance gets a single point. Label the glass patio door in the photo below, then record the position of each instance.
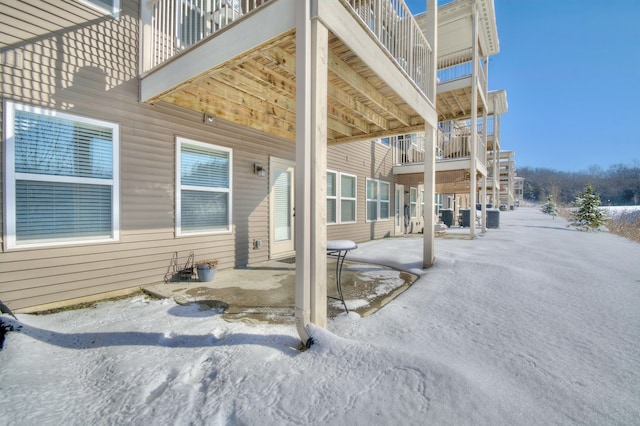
(281, 201)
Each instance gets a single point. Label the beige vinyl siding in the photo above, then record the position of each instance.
(365, 159)
(80, 62)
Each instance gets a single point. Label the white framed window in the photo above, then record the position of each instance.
(348, 194)
(332, 197)
(341, 197)
(413, 201)
(111, 7)
(438, 204)
(62, 181)
(377, 200)
(203, 188)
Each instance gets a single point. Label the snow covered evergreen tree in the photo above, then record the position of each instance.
(549, 207)
(588, 215)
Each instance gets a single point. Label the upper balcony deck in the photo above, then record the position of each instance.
(236, 60)
(467, 36)
(453, 148)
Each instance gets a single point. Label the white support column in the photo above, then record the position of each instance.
(474, 123)
(496, 154)
(484, 158)
(319, 125)
(431, 140)
(428, 255)
(310, 180)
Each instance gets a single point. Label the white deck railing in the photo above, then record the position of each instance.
(457, 65)
(175, 25)
(392, 24)
(409, 149)
(171, 26)
(454, 143)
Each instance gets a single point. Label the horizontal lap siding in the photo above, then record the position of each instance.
(364, 159)
(78, 61)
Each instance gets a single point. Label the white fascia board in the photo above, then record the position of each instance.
(451, 85)
(449, 165)
(274, 19)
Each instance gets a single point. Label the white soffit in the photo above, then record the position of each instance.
(455, 27)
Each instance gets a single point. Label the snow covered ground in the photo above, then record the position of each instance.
(531, 323)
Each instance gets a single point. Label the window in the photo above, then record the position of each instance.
(347, 198)
(62, 178)
(111, 7)
(341, 198)
(385, 141)
(203, 186)
(413, 201)
(332, 204)
(377, 200)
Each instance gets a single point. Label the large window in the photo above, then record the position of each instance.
(62, 178)
(377, 200)
(341, 197)
(203, 185)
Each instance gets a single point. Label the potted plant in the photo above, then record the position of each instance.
(206, 270)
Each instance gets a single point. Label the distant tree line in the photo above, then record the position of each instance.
(617, 186)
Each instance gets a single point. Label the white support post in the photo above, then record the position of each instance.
(496, 161)
(474, 125)
(484, 162)
(319, 125)
(310, 180)
(303, 171)
(431, 140)
(428, 255)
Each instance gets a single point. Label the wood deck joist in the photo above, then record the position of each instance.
(258, 89)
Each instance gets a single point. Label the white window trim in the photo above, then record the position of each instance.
(378, 200)
(180, 187)
(11, 176)
(334, 197)
(338, 198)
(115, 12)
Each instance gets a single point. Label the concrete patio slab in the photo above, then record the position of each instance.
(264, 293)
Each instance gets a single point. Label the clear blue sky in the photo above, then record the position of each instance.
(571, 69)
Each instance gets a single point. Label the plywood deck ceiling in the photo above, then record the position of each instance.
(456, 104)
(258, 90)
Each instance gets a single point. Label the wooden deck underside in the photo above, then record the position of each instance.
(258, 90)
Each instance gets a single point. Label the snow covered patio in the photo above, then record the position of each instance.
(264, 293)
(530, 324)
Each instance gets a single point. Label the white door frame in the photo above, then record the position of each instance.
(281, 248)
(399, 210)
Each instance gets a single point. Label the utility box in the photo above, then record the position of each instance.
(465, 218)
(447, 217)
(493, 218)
